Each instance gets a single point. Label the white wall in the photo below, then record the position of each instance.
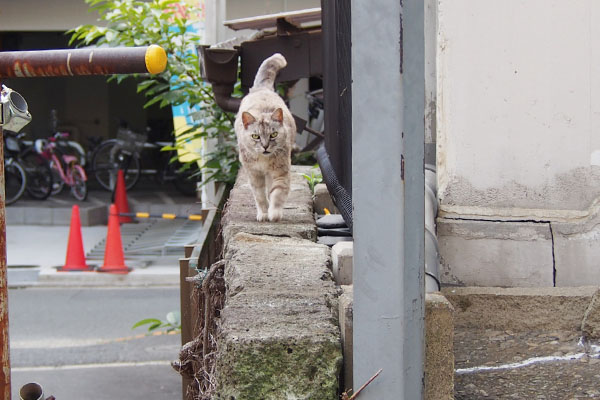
(518, 112)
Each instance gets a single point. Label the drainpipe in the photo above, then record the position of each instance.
(432, 257)
(219, 66)
(223, 97)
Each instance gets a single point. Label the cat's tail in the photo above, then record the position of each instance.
(267, 72)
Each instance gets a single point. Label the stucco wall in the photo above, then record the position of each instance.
(518, 111)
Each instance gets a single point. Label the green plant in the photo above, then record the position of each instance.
(172, 323)
(169, 24)
(313, 179)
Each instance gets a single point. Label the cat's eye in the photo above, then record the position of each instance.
(274, 135)
(255, 136)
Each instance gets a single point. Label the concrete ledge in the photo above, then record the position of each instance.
(520, 309)
(298, 220)
(58, 216)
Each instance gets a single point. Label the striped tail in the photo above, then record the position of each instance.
(267, 72)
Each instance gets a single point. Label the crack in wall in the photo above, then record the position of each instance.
(553, 256)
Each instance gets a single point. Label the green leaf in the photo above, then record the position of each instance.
(147, 321)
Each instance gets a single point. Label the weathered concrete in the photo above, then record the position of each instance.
(520, 309)
(439, 336)
(345, 317)
(298, 220)
(322, 200)
(279, 337)
(590, 325)
(439, 348)
(341, 257)
(577, 251)
(491, 253)
(522, 343)
(278, 334)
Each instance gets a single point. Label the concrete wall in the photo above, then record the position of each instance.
(519, 104)
(518, 113)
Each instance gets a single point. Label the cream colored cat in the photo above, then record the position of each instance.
(266, 132)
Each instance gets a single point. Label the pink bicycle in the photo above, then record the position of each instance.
(65, 166)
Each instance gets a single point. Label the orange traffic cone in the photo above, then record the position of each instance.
(114, 259)
(75, 255)
(121, 198)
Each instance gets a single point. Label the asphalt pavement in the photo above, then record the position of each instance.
(78, 343)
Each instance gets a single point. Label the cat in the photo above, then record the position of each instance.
(266, 133)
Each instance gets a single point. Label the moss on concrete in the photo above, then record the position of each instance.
(279, 370)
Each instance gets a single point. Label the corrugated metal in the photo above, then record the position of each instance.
(153, 238)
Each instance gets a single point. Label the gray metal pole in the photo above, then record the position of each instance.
(388, 196)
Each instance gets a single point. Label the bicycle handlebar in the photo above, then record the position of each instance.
(89, 61)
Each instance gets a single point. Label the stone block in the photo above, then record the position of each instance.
(346, 309)
(439, 348)
(341, 259)
(298, 219)
(519, 309)
(576, 253)
(492, 253)
(278, 335)
(322, 200)
(590, 324)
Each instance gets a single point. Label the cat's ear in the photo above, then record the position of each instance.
(277, 115)
(247, 119)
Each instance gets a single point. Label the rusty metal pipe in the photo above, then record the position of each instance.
(88, 61)
(5, 392)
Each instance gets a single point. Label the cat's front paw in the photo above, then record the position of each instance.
(275, 214)
(261, 216)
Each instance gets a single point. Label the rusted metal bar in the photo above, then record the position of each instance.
(88, 61)
(4, 344)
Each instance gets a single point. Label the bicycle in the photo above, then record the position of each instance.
(125, 153)
(37, 169)
(66, 166)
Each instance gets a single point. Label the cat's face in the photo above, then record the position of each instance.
(264, 134)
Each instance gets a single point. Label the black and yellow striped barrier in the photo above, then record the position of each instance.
(191, 217)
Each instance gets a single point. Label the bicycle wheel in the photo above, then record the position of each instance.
(15, 181)
(183, 180)
(108, 159)
(57, 182)
(79, 190)
(39, 175)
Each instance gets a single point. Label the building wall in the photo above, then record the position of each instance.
(519, 104)
(36, 15)
(518, 142)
